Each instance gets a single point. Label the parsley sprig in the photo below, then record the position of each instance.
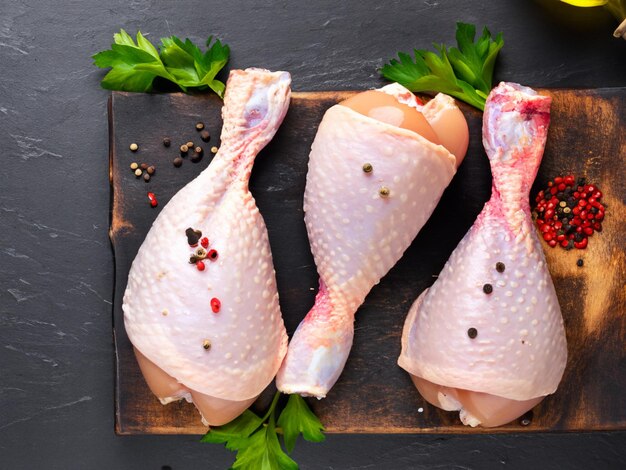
(135, 65)
(256, 441)
(465, 72)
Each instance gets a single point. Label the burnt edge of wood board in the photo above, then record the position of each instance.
(187, 415)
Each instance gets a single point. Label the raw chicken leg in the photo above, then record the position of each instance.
(487, 338)
(214, 336)
(371, 186)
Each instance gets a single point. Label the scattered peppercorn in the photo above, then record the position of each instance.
(184, 149)
(214, 149)
(134, 166)
(215, 305)
(500, 267)
(206, 344)
(189, 144)
(151, 170)
(201, 253)
(200, 266)
(204, 242)
(367, 167)
(199, 126)
(568, 212)
(580, 262)
(133, 147)
(138, 172)
(384, 191)
(166, 142)
(212, 255)
(205, 135)
(193, 236)
(146, 177)
(153, 199)
(196, 157)
(143, 166)
(472, 333)
(487, 288)
(178, 162)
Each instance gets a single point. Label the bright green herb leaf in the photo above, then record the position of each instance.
(235, 433)
(256, 439)
(264, 452)
(297, 418)
(134, 66)
(147, 46)
(465, 71)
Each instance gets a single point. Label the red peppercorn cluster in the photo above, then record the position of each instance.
(568, 212)
(153, 200)
(193, 238)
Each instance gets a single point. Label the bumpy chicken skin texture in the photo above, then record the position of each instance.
(221, 358)
(373, 181)
(488, 338)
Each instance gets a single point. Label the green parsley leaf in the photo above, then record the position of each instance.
(297, 418)
(235, 433)
(256, 439)
(134, 66)
(264, 452)
(465, 72)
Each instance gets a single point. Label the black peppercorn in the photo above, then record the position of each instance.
(500, 267)
(487, 288)
(178, 162)
(205, 135)
(580, 262)
(166, 142)
(193, 236)
(472, 333)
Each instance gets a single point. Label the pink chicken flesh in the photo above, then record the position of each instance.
(487, 338)
(358, 232)
(221, 360)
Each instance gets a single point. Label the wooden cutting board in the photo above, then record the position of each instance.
(373, 394)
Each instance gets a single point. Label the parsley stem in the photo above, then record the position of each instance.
(272, 407)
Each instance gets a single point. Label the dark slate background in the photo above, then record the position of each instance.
(56, 266)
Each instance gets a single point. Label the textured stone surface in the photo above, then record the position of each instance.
(56, 270)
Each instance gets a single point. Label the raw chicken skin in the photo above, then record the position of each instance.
(223, 360)
(493, 355)
(356, 233)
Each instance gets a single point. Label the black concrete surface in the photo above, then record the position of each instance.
(56, 267)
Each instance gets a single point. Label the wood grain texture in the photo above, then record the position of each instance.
(373, 395)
